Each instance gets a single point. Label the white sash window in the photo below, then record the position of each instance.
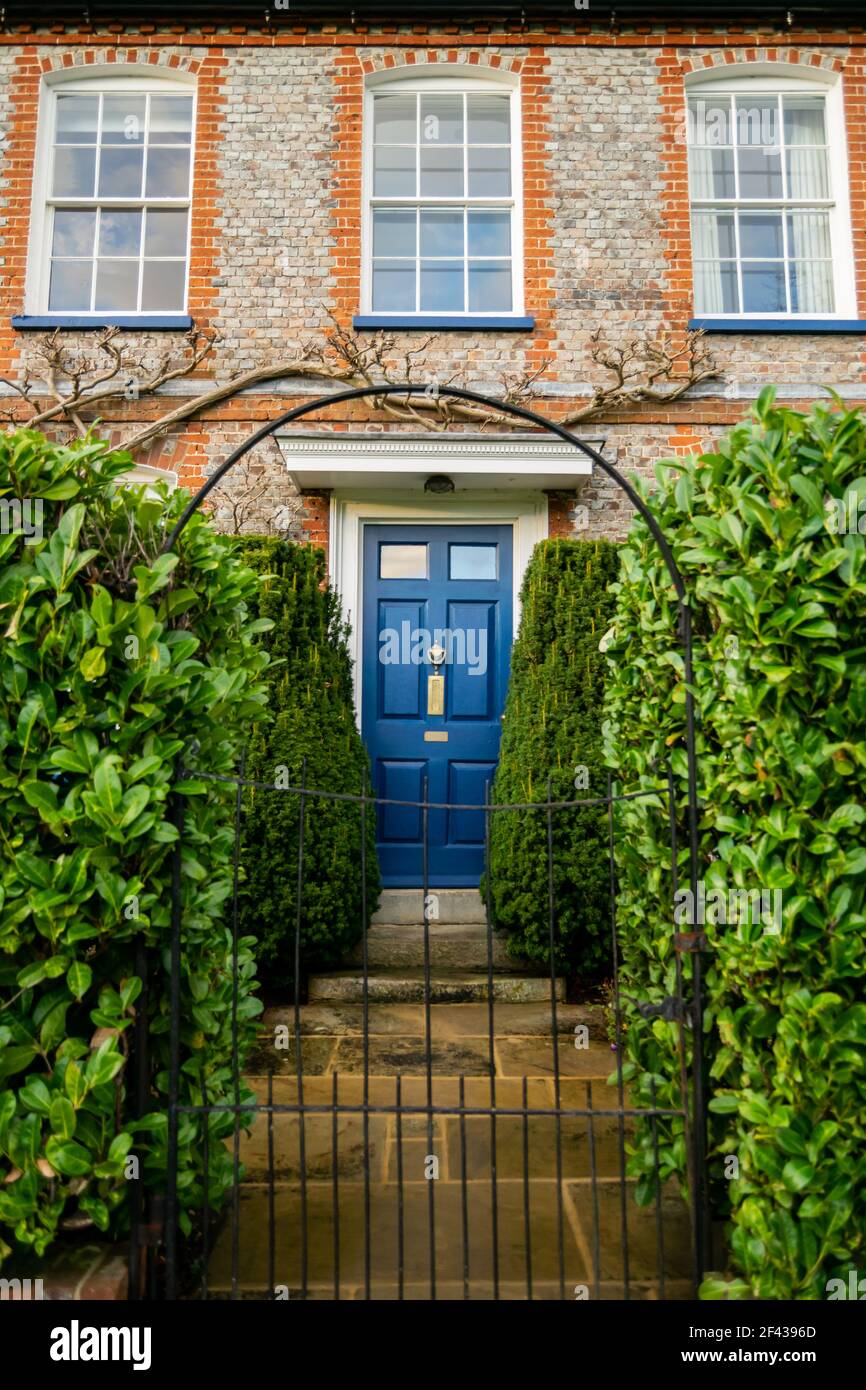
(769, 202)
(112, 198)
(442, 233)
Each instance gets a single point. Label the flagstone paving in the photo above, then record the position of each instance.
(374, 1185)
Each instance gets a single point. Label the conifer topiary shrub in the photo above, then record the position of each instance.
(769, 535)
(552, 729)
(313, 720)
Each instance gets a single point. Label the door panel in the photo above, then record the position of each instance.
(400, 682)
(429, 587)
(471, 690)
(467, 782)
(402, 781)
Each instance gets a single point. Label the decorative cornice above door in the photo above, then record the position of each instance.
(407, 461)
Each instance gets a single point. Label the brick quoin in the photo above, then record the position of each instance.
(315, 518)
(560, 521)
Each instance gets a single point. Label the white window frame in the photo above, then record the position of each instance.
(771, 79)
(91, 81)
(432, 79)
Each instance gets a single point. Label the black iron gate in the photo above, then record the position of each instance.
(493, 1247)
(432, 1179)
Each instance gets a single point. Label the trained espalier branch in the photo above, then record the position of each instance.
(76, 379)
(74, 384)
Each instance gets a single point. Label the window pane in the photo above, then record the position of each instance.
(808, 176)
(163, 284)
(441, 232)
(393, 232)
(757, 121)
(441, 286)
(709, 121)
(394, 120)
(489, 286)
(394, 172)
(812, 287)
(120, 172)
(393, 286)
(70, 285)
(490, 233)
(116, 285)
(119, 233)
(165, 233)
(804, 120)
(73, 233)
(489, 173)
(713, 236)
(711, 173)
(123, 120)
(167, 173)
(489, 120)
(170, 121)
(763, 288)
(442, 120)
(761, 234)
(441, 173)
(809, 235)
(402, 561)
(76, 120)
(74, 172)
(472, 562)
(760, 173)
(716, 287)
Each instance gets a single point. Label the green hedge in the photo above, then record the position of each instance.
(313, 718)
(780, 679)
(552, 729)
(113, 658)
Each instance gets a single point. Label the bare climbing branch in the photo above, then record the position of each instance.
(77, 381)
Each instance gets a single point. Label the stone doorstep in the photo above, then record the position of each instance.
(71, 1273)
(452, 946)
(409, 986)
(406, 905)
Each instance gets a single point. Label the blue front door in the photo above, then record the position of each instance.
(436, 645)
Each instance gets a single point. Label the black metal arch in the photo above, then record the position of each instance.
(519, 412)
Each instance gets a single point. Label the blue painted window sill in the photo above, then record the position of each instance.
(710, 325)
(466, 322)
(143, 322)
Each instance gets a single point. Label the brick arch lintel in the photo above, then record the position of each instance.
(797, 57)
(456, 57)
(122, 57)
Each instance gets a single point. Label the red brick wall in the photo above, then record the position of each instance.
(209, 54)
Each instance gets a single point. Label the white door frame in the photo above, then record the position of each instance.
(526, 513)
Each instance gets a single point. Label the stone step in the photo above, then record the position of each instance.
(452, 946)
(447, 906)
(447, 1021)
(408, 986)
(455, 1049)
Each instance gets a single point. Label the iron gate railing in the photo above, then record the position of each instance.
(509, 1233)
